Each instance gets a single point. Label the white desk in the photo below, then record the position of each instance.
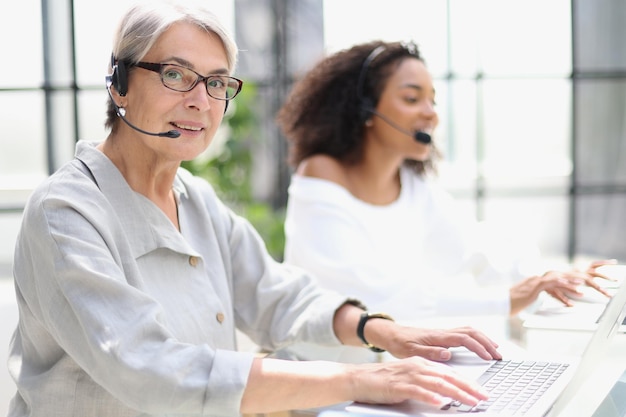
(533, 340)
(599, 383)
(566, 331)
(551, 342)
(564, 343)
(557, 337)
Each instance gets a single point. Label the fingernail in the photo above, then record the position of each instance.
(445, 355)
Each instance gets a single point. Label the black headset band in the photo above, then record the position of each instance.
(364, 69)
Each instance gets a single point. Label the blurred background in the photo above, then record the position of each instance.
(530, 95)
(531, 98)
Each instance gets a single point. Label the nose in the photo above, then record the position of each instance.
(429, 109)
(198, 97)
(430, 113)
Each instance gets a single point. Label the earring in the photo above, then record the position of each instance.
(369, 123)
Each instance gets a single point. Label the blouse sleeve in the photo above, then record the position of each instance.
(275, 304)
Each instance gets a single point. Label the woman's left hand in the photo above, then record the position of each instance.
(559, 284)
(578, 277)
(433, 344)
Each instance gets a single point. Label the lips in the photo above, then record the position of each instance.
(187, 127)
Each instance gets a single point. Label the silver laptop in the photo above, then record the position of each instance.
(614, 403)
(560, 378)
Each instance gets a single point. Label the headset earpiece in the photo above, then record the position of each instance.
(119, 77)
(367, 104)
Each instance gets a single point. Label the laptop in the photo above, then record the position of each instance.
(614, 404)
(568, 374)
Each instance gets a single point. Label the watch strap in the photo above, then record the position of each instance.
(365, 317)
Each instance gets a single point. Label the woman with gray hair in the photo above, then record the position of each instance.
(132, 276)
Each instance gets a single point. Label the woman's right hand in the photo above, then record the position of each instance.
(278, 385)
(413, 378)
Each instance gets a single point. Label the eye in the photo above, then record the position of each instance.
(415, 99)
(172, 74)
(216, 82)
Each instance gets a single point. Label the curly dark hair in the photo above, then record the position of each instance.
(324, 112)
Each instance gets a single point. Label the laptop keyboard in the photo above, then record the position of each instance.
(513, 386)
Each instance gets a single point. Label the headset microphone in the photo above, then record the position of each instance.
(121, 112)
(172, 134)
(419, 135)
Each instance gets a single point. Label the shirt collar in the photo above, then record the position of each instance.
(146, 226)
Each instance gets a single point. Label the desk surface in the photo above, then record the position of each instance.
(552, 342)
(513, 331)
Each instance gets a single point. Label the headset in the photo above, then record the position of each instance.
(368, 104)
(119, 80)
(119, 76)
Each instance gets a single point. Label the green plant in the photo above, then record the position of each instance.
(227, 165)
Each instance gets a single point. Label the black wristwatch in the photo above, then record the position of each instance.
(359, 330)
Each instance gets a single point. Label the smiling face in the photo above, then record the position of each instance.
(155, 108)
(407, 101)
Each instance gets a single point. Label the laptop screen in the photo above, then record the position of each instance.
(608, 325)
(614, 404)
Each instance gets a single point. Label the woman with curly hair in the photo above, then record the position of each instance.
(364, 213)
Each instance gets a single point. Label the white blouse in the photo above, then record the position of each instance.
(416, 257)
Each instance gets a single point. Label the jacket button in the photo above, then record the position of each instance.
(220, 317)
(193, 260)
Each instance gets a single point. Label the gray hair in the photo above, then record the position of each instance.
(142, 24)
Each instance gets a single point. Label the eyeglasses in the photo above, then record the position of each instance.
(179, 78)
